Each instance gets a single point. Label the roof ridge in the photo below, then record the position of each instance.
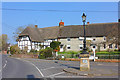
(103, 23)
(49, 27)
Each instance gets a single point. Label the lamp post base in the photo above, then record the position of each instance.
(84, 54)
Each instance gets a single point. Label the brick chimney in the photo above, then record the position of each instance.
(61, 24)
(88, 23)
(36, 26)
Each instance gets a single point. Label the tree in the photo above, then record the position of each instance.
(18, 31)
(3, 42)
(55, 45)
(113, 35)
(64, 48)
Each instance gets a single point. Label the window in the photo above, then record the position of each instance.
(93, 39)
(110, 46)
(81, 47)
(80, 38)
(68, 39)
(24, 38)
(61, 46)
(104, 46)
(94, 46)
(68, 47)
(104, 38)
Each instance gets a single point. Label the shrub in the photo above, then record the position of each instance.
(48, 52)
(15, 49)
(45, 53)
(33, 51)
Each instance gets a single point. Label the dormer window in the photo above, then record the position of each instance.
(68, 39)
(94, 39)
(80, 38)
(104, 38)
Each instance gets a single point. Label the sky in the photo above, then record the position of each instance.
(48, 14)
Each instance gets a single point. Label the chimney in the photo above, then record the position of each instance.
(36, 26)
(88, 23)
(61, 24)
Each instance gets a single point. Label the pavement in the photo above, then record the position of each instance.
(39, 68)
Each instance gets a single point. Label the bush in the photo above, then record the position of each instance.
(15, 49)
(45, 53)
(33, 51)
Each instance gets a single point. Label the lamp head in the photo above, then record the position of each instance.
(84, 17)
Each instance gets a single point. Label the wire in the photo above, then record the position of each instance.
(55, 10)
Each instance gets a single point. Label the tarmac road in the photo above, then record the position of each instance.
(38, 68)
(14, 68)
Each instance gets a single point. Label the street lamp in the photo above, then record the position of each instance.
(84, 41)
(84, 56)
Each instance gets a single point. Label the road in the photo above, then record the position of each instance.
(14, 68)
(38, 68)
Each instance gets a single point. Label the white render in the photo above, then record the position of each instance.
(75, 44)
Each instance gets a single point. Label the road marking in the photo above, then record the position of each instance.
(56, 74)
(4, 66)
(48, 68)
(36, 68)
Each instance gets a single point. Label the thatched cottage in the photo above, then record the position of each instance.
(100, 35)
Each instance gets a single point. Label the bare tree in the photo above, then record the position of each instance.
(3, 42)
(20, 29)
(112, 35)
(17, 32)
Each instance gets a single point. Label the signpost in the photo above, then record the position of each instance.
(94, 53)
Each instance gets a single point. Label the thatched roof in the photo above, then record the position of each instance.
(33, 33)
(100, 29)
(39, 34)
(50, 32)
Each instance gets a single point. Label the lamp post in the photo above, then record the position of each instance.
(84, 41)
(84, 56)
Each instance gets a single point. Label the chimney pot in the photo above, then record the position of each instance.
(36, 26)
(61, 24)
(88, 23)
